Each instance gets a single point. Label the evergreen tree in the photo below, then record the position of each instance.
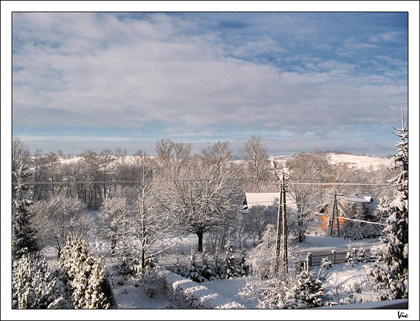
(390, 271)
(326, 263)
(219, 267)
(23, 234)
(243, 263)
(350, 259)
(193, 270)
(362, 257)
(231, 269)
(207, 269)
(34, 284)
(304, 291)
(86, 276)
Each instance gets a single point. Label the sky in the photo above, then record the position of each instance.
(300, 80)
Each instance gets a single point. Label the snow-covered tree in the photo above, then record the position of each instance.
(257, 218)
(350, 258)
(219, 266)
(254, 153)
(105, 159)
(34, 284)
(307, 167)
(151, 224)
(58, 217)
(304, 291)
(201, 196)
(207, 269)
(193, 271)
(243, 263)
(390, 271)
(361, 255)
(262, 258)
(86, 276)
(295, 290)
(326, 263)
(231, 268)
(113, 219)
(23, 232)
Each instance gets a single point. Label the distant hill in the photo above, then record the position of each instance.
(353, 160)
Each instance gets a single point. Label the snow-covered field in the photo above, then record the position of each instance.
(352, 160)
(359, 161)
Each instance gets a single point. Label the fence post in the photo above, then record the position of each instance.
(334, 257)
(309, 261)
(355, 255)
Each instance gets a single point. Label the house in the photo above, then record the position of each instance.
(356, 206)
(361, 206)
(265, 199)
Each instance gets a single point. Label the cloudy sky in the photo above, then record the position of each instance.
(333, 81)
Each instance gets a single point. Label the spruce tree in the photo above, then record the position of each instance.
(231, 269)
(390, 271)
(86, 277)
(34, 284)
(23, 234)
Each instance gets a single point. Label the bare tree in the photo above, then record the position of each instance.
(105, 159)
(254, 153)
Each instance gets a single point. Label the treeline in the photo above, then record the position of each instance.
(195, 193)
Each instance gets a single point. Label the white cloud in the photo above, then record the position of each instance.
(99, 70)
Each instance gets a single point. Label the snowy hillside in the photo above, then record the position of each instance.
(359, 161)
(353, 160)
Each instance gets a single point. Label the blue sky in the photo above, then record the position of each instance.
(301, 81)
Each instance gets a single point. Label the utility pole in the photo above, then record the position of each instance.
(336, 213)
(281, 240)
(332, 219)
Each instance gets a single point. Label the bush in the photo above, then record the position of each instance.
(150, 282)
(326, 263)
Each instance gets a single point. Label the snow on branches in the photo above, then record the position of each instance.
(390, 271)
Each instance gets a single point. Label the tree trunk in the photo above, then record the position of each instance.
(200, 241)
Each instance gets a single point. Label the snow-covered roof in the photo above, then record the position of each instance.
(355, 199)
(265, 199)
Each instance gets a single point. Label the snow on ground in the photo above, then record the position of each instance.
(131, 297)
(359, 161)
(347, 284)
(353, 160)
(328, 243)
(230, 288)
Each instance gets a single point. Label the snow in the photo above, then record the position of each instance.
(230, 288)
(342, 279)
(131, 297)
(328, 243)
(353, 160)
(266, 199)
(359, 161)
